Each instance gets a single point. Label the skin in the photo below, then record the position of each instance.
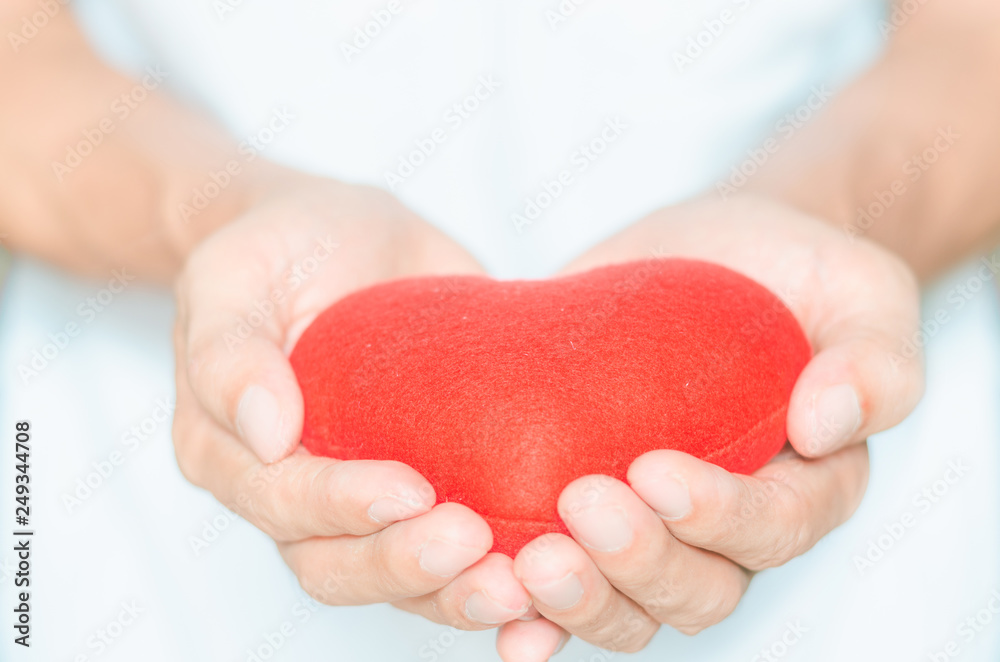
(689, 534)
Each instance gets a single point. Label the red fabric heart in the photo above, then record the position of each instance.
(502, 392)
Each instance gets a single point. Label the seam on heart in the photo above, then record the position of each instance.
(495, 518)
(708, 458)
(767, 420)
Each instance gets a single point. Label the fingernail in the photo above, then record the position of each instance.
(394, 508)
(260, 423)
(561, 594)
(531, 615)
(563, 640)
(604, 529)
(669, 497)
(444, 559)
(836, 417)
(482, 608)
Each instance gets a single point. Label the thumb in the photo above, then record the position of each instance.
(229, 350)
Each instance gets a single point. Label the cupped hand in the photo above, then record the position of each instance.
(678, 544)
(353, 532)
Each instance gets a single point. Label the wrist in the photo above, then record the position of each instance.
(821, 190)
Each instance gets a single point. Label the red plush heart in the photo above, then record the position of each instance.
(502, 392)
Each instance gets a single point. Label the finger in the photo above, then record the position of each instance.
(238, 372)
(301, 496)
(530, 641)
(864, 377)
(405, 560)
(568, 589)
(678, 585)
(483, 596)
(758, 521)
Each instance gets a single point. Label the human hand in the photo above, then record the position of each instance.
(354, 532)
(679, 543)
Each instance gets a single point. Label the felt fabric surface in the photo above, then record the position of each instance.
(502, 392)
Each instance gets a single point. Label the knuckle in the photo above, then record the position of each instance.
(201, 352)
(296, 486)
(776, 553)
(663, 599)
(781, 548)
(311, 588)
(325, 587)
(388, 577)
(710, 609)
(257, 500)
(775, 524)
(595, 617)
(755, 503)
(213, 377)
(343, 506)
(631, 633)
(611, 627)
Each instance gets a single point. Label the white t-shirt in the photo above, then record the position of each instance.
(474, 112)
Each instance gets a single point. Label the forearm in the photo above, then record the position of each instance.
(909, 155)
(100, 171)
